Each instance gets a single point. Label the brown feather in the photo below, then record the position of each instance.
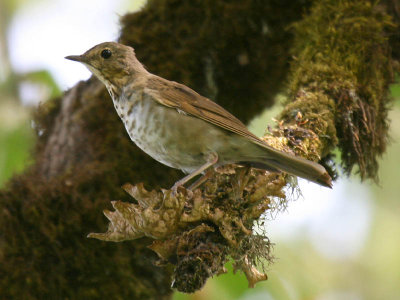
(176, 95)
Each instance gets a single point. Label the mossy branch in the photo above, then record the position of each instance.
(339, 80)
(338, 92)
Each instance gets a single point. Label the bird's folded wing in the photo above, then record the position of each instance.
(175, 95)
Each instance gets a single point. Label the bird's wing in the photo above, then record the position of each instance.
(180, 97)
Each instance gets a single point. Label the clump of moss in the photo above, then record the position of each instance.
(200, 254)
(344, 62)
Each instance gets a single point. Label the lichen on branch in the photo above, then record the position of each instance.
(220, 215)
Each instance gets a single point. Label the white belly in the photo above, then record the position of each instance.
(160, 132)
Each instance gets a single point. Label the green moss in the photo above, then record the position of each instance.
(312, 111)
(343, 55)
(15, 150)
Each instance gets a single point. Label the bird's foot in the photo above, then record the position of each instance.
(175, 187)
(211, 160)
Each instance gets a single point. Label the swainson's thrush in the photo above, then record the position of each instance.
(180, 128)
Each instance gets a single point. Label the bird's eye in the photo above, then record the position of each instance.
(106, 53)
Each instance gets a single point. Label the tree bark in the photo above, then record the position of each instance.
(237, 53)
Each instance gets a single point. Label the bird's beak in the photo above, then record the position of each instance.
(79, 58)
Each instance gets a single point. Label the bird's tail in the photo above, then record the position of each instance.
(277, 160)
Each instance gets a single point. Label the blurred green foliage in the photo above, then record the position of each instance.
(15, 149)
(43, 77)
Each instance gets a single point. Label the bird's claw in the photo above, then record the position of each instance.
(174, 188)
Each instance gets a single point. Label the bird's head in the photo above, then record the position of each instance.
(113, 63)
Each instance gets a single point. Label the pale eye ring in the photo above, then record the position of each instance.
(106, 53)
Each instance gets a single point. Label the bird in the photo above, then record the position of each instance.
(180, 128)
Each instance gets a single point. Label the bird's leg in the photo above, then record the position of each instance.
(201, 180)
(212, 159)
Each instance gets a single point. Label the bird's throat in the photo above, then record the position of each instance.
(114, 92)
